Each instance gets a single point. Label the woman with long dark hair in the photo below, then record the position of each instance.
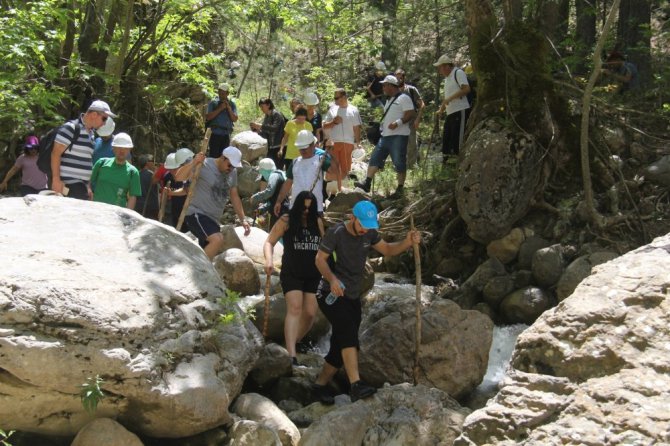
(301, 230)
(33, 180)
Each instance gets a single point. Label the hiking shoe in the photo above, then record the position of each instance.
(322, 394)
(360, 390)
(365, 186)
(294, 361)
(398, 192)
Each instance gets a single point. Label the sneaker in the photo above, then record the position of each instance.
(360, 390)
(398, 192)
(365, 186)
(294, 361)
(322, 394)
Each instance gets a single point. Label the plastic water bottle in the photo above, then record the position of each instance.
(332, 297)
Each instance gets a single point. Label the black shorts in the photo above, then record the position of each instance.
(290, 282)
(345, 320)
(202, 227)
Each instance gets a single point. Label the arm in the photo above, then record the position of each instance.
(283, 193)
(239, 209)
(232, 111)
(357, 134)
(420, 106)
(132, 200)
(215, 111)
(9, 175)
(185, 171)
(282, 144)
(266, 193)
(56, 153)
(321, 262)
(277, 232)
(393, 249)
(407, 116)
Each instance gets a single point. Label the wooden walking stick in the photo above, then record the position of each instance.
(163, 203)
(194, 179)
(417, 336)
(266, 309)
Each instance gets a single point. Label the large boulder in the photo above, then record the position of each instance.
(525, 305)
(548, 264)
(246, 183)
(252, 433)
(105, 432)
(90, 289)
(252, 145)
(454, 351)
(498, 178)
(252, 245)
(255, 407)
(238, 271)
(593, 370)
(276, 316)
(396, 415)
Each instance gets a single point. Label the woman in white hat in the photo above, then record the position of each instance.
(313, 116)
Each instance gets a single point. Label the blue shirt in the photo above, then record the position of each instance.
(221, 124)
(102, 149)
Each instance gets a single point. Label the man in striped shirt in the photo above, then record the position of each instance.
(71, 169)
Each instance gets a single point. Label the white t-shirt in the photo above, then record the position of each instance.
(344, 131)
(396, 111)
(451, 86)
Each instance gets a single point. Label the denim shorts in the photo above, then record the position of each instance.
(396, 146)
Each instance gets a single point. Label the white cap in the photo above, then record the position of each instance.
(101, 107)
(304, 139)
(444, 59)
(234, 155)
(183, 155)
(107, 128)
(235, 64)
(122, 140)
(171, 161)
(267, 164)
(311, 99)
(380, 66)
(390, 79)
(224, 87)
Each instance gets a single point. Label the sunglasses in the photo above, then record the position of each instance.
(103, 117)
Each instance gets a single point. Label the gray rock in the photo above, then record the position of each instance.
(273, 363)
(345, 201)
(230, 238)
(276, 316)
(449, 267)
(133, 301)
(548, 264)
(251, 144)
(246, 182)
(255, 407)
(528, 248)
(578, 270)
(522, 278)
(253, 433)
(238, 271)
(506, 249)
(497, 288)
(469, 293)
(659, 172)
(525, 305)
(105, 432)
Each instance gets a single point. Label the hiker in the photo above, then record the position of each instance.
(341, 260)
(375, 90)
(176, 190)
(265, 199)
(103, 143)
(216, 184)
(305, 172)
(71, 169)
(301, 231)
(313, 115)
(294, 104)
(622, 72)
(343, 123)
(221, 117)
(288, 151)
(147, 203)
(115, 180)
(272, 129)
(455, 103)
(398, 113)
(417, 101)
(33, 180)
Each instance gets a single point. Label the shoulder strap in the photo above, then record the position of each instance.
(75, 134)
(389, 107)
(455, 73)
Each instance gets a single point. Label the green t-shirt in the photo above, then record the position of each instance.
(112, 182)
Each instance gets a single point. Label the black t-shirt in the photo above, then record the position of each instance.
(300, 247)
(376, 87)
(348, 254)
(316, 122)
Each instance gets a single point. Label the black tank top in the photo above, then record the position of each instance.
(300, 247)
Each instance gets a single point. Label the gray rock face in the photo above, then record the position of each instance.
(528, 248)
(396, 415)
(525, 305)
(238, 271)
(469, 293)
(105, 432)
(257, 408)
(93, 289)
(251, 144)
(345, 201)
(252, 245)
(601, 378)
(578, 270)
(498, 177)
(454, 345)
(659, 172)
(246, 182)
(273, 364)
(548, 264)
(252, 433)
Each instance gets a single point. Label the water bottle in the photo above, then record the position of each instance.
(332, 297)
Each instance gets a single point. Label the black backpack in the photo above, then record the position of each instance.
(46, 147)
(472, 81)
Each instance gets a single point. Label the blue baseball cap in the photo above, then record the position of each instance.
(366, 213)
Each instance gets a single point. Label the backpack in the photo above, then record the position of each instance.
(472, 81)
(46, 147)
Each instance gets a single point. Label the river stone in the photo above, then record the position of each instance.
(454, 344)
(595, 369)
(496, 289)
(506, 249)
(273, 363)
(469, 293)
(276, 316)
(133, 301)
(255, 407)
(395, 415)
(252, 145)
(449, 267)
(578, 270)
(253, 245)
(548, 265)
(659, 172)
(525, 305)
(238, 271)
(345, 201)
(528, 248)
(252, 433)
(498, 178)
(307, 415)
(230, 238)
(105, 432)
(246, 182)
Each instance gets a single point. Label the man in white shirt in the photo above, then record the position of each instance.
(455, 103)
(343, 127)
(398, 113)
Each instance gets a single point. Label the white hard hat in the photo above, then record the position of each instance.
(234, 156)
(122, 140)
(311, 99)
(304, 139)
(267, 164)
(183, 155)
(380, 65)
(107, 128)
(171, 161)
(235, 64)
(224, 87)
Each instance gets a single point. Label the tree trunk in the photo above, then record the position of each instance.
(512, 10)
(68, 44)
(585, 32)
(633, 35)
(554, 20)
(252, 56)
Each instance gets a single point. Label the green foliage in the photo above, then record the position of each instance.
(91, 393)
(232, 313)
(4, 436)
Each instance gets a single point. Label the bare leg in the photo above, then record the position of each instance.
(308, 314)
(215, 245)
(326, 374)
(294, 302)
(350, 358)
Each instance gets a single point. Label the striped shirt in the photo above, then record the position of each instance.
(75, 164)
